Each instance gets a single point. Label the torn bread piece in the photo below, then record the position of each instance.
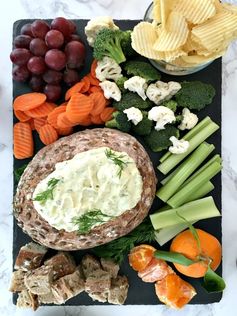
(61, 264)
(118, 291)
(98, 281)
(26, 299)
(89, 264)
(39, 281)
(17, 281)
(110, 266)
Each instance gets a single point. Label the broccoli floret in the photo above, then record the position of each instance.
(120, 83)
(119, 121)
(171, 104)
(144, 127)
(142, 69)
(108, 43)
(195, 95)
(160, 140)
(130, 99)
(126, 44)
(179, 118)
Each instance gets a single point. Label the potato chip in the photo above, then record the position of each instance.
(172, 55)
(213, 32)
(198, 59)
(174, 35)
(156, 13)
(196, 11)
(144, 36)
(166, 7)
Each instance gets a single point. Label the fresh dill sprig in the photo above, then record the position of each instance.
(117, 160)
(47, 194)
(19, 171)
(89, 219)
(118, 248)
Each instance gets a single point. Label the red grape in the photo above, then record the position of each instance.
(52, 76)
(54, 39)
(36, 83)
(20, 73)
(72, 26)
(75, 52)
(22, 41)
(20, 56)
(62, 25)
(70, 77)
(73, 37)
(53, 92)
(39, 28)
(26, 30)
(55, 59)
(36, 65)
(38, 47)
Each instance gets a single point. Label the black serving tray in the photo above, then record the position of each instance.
(141, 293)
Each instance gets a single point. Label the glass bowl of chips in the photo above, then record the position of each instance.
(182, 37)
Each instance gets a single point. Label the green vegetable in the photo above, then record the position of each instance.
(126, 44)
(47, 194)
(144, 127)
(192, 211)
(19, 171)
(89, 219)
(195, 95)
(130, 99)
(200, 192)
(173, 160)
(213, 282)
(159, 140)
(119, 121)
(142, 69)
(172, 105)
(189, 189)
(173, 257)
(108, 43)
(118, 248)
(120, 83)
(118, 160)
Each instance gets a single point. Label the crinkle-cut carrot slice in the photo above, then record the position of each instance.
(32, 124)
(99, 103)
(74, 89)
(63, 121)
(29, 101)
(86, 121)
(106, 114)
(96, 120)
(79, 106)
(21, 116)
(64, 131)
(42, 110)
(39, 122)
(23, 141)
(48, 134)
(53, 116)
(87, 84)
(94, 81)
(93, 68)
(95, 89)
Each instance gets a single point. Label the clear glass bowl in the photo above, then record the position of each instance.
(167, 67)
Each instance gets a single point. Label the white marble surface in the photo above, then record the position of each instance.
(11, 10)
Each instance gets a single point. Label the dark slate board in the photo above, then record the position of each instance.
(141, 293)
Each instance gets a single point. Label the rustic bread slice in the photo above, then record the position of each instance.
(26, 299)
(47, 298)
(30, 256)
(110, 266)
(17, 281)
(89, 264)
(98, 281)
(100, 297)
(118, 291)
(39, 281)
(61, 264)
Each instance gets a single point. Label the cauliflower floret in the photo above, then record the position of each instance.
(134, 115)
(189, 120)
(97, 24)
(111, 90)
(162, 116)
(179, 146)
(162, 91)
(136, 84)
(107, 68)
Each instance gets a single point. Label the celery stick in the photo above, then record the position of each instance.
(194, 142)
(201, 192)
(185, 170)
(190, 134)
(192, 211)
(189, 189)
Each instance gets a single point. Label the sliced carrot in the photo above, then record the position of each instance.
(21, 116)
(95, 89)
(74, 89)
(79, 106)
(87, 84)
(96, 120)
(53, 116)
(86, 121)
(23, 141)
(93, 68)
(42, 110)
(99, 103)
(48, 134)
(106, 114)
(32, 124)
(64, 103)
(39, 122)
(29, 101)
(93, 81)
(63, 121)
(64, 131)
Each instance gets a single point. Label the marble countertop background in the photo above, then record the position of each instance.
(12, 10)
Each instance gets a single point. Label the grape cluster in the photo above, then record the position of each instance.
(47, 55)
